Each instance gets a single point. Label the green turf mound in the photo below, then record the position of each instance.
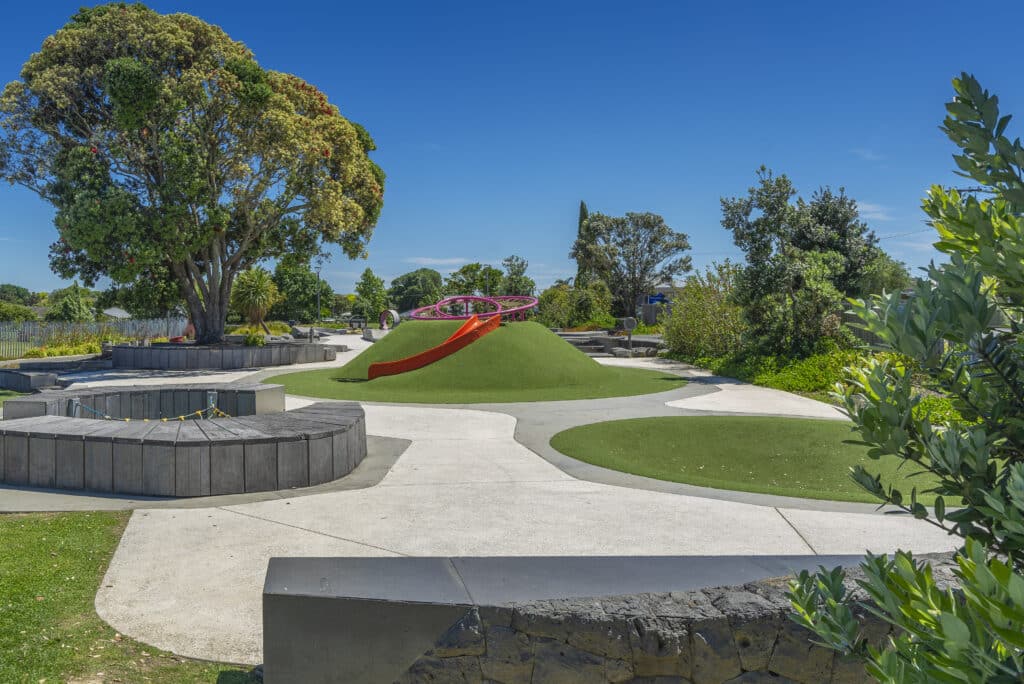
(515, 355)
(516, 362)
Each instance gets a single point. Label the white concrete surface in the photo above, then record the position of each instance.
(740, 398)
(190, 581)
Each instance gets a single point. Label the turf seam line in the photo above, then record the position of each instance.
(303, 529)
(798, 532)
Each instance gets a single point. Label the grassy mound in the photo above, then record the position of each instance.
(786, 456)
(517, 362)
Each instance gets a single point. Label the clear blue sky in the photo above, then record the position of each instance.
(494, 119)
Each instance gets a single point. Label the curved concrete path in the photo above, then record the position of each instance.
(189, 581)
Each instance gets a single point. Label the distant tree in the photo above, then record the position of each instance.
(474, 279)
(830, 222)
(882, 274)
(16, 313)
(342, 304)
(162, 144)
(584, 267)
(298, 284)
(632, 254)
(416, 288)
(465, 281)
(16, 294)
(72, 304)
(253, 296)
(489, 281)
(371, 296)
(515, 281)
(554, 307)
(152, 296)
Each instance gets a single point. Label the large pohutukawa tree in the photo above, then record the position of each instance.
(169, 153)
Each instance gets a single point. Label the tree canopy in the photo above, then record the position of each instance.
(515, 281)
(632, 254)
(299, 285)
(170, 153)
(802, 259)
(416, 288)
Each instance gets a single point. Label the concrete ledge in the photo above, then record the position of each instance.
(219, 357)
(313, 445)
(546, 619)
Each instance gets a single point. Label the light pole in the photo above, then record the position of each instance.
(318, 266)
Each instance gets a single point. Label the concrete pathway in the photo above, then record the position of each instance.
(190, 580)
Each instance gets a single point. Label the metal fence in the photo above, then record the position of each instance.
(17, 338)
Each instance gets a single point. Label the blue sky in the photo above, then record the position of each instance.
(493, 120)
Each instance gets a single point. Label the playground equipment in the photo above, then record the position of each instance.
(465, 307)
(473, 329)
(389, 314)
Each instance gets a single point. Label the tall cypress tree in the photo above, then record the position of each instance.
(583, 270)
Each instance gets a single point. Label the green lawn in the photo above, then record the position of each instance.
(787, 456)
(7, 394)
(50, 568)
(517, 362)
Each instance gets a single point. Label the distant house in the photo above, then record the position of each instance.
(117, 313)
(653, 303)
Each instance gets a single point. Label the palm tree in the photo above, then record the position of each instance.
(253, 294)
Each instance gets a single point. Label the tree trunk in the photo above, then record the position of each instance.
(208, 315)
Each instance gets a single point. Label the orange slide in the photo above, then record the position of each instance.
(468, 332)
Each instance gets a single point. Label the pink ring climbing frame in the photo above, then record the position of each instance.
(463, 307)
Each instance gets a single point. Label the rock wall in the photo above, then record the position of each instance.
(736, 635)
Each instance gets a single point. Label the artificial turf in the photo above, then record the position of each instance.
(517, 362)
(786, 456)
(51, 566)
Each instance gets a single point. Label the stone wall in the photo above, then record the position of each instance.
(736, 635)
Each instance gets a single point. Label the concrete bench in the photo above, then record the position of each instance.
(259, 448)
(539, 619)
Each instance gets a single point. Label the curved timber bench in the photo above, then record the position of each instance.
(263, 451)
(166, 356)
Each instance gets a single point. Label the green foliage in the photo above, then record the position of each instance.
(474, 279)
(632, 254)
(515, 281)
(16, 313)
(170, 155)
(961, 332)
(882, 274)
(298, 284)
(254, 294)
(275, 328)
(371, 297)
(255, 339)
(802, 258)
(72, 304)
(563, 306)
(416, 288)
(705, 319)
(63, 350)
(15, 294)
(581, 251)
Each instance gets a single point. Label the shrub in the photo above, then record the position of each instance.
(954, 328)
(704, 320)
(63, 350)
(16, 313)
(254, 339)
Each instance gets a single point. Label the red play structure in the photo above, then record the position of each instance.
(470, 331)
